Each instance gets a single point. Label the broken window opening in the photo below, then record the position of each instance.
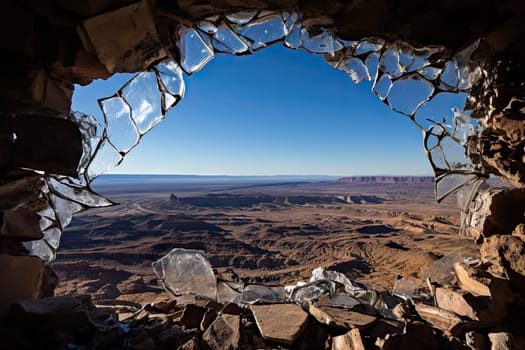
(395, 68)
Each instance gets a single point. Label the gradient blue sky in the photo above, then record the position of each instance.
(278, 112)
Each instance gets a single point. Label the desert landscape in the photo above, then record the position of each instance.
(275, 231)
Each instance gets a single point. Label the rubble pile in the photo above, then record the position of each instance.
(479, 306)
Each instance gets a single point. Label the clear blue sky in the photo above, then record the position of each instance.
(278, 112)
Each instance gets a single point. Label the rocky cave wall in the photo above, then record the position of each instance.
(49, 46)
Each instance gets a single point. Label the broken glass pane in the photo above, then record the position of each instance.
(466, 194)
(241, 17)
(382, 86)
(409, 93)
(319, 40)
(389, 63)
(64, 209)
(462, 127)
(262, 33)
(368, 45)
(372, 64)
(208, 28)
(40, 249)
(105, 158)
(121, 130)
(143, 96)
(171, 77)
(449, 78)
(228, 292)
(186, 271)
(258, 293)
(356, 69)
(440, 109)
(225, 40)
(293, 39)
(310, 291)
(468, 77)
(430, 73)
(455, 154)
(52, 237)
(79, 195)
(194, 51)
(449, 183)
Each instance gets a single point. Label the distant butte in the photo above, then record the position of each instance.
(387, 179)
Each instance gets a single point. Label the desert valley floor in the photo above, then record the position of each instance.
(272, 232)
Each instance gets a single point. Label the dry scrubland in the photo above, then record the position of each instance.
(272, 233)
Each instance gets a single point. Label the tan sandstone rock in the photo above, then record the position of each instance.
(282, 323)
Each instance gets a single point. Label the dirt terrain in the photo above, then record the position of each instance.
(259, 232)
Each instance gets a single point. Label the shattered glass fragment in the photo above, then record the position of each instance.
(439, 109)
(351, 288)
(64, 209)
(466, 194)
(462, 127)
(372, 64)
(449, 183)
(143, 96)
(389, 63)
(52, 237)
(194, 51)
(368, 45)
(186, 271)
(170, 74)
(262, 33)
(241, 17)
(121, 130)
(344, 300)
(468, 77)
(409, 93)
(225, 40)
(321, 41)
(430, 73)
(168, 101)
(40, 249)
(45, 222)
(78, 194)
(449, 78)
(356, 69)
(303, 293)
(105, 158)
(258, 293)
(409, 291)
(455, 155)
(382, 86)
(207, 27)
(228, 292)
(293, 39)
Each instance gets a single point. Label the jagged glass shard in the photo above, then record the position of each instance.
(143, 96)
(171, 77)
(121, 130)
(186, 271)
(449, 78)
(455, 154)
(257, 293)
(52, 237)
(207, 27)
(313, 290)
(389, 63)
(225, 40)
(466, 194)
(334, 276)
(78, 194)
(430, 73)
(45, 222)
(105, 158)
(409, 93)
(468, 76)
(439, 109)
(40, 249)
(64, 209)
(293, 39)
(408, 290)
(194, 51)
(241, 17)
(356, 69)
(264, 32)
(228, 292)
(413, 59)
(344, 300)
(448, 184)
(168, 101)
(382, 86)
(462, 127)
(372, 64)
(368, 45)
(319, 41)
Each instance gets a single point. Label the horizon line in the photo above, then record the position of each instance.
(268, 175)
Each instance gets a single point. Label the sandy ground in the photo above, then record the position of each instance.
(259, 233)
